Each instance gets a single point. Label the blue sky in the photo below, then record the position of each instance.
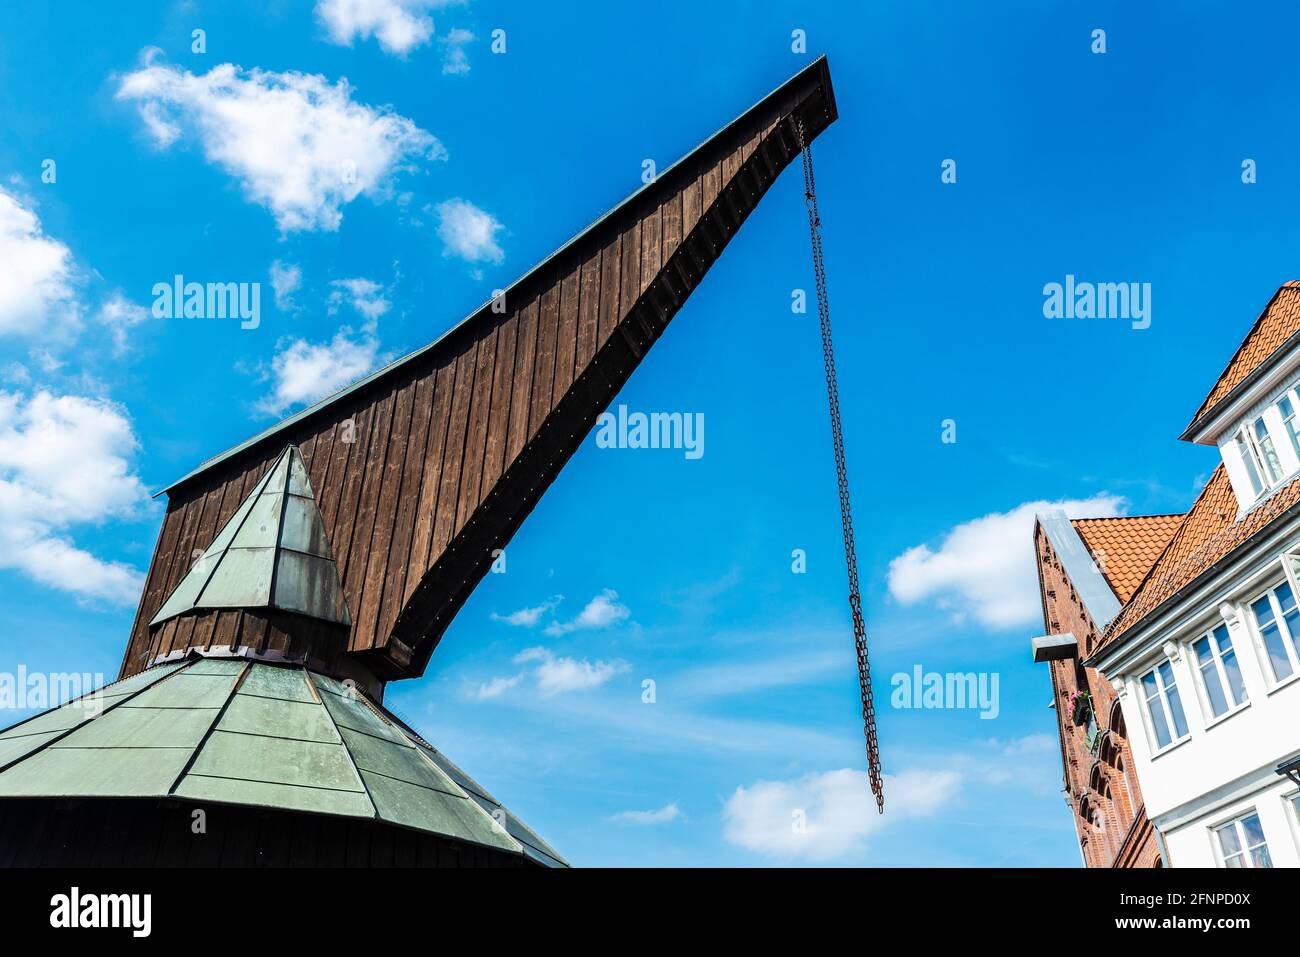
(1123, 166)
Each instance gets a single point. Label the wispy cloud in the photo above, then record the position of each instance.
(455, 62)
(468, 232)
(529, 617)
(558, 675)
(301, 146)
(985, 566)
(495, 687)
(364, 295)
(821, 817)
(303, 372)
(601, 612)
(66, 461)
(669, 812)
(286, 279)
(399, 26)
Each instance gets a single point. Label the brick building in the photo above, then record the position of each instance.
(1174, 640)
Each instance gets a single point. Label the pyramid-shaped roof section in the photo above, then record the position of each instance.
(274, 553)
(235, 731)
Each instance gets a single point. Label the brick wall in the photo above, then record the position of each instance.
(1101, 786)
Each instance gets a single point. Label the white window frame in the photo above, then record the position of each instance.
(1289, 641)
(1237, 823)
(1162, 696)
(1266, 457)
(1216, 660)
(1292, 433)
(1250, 461)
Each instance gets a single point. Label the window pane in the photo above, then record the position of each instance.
(1172, 699)
(1260, 856)
(1176, 712)
(1271, 636)
(1149, 687)
(1248, 460)
(1235, 685)
(1263, 611)
(1272, 465)
(1285, 600)
(1158, 723)
(1228, 839)
(1254, 830)
(1214, 689)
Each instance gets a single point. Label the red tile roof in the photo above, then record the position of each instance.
(1277, 323)
(1207, 534)
(1125, 548)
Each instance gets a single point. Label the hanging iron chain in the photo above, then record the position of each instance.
(841, 470)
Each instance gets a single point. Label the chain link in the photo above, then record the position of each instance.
(841, 470)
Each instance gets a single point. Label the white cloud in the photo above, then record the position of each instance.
(986, 566)
(454, 59)
(495, 687)
(119, 315)
(559, 675)
(669, 812)
(365, 296)
(399, 25)
(468, 232)
(601, 612)
(66, 461)
(828, 816)
(529, 617)
(37, 282)
(299, 145)
(286, 279)
(303, 372)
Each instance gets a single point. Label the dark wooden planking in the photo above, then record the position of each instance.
(498, 427)
(611, 265)
(389, 476)
(457, 430)
(566, 342)
(544, 370)
(354, 470)
(520, 398)
(431, 479)
(408, 501)
(588, 312)
(471, 466)
(353, 562)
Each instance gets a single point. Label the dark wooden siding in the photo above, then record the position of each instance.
(428, 468)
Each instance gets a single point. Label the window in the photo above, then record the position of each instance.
(1278, 621)
(1267, 453)
(1289, 419)
(1242, 844)
(1164, 706)
(1248, 461)
(1216, 660)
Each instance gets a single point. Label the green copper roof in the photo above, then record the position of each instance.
(235, 731)
(273, 553)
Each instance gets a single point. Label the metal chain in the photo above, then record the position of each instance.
(841, 470)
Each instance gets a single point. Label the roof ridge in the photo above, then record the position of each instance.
(1206, 404)
(1141, 589)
